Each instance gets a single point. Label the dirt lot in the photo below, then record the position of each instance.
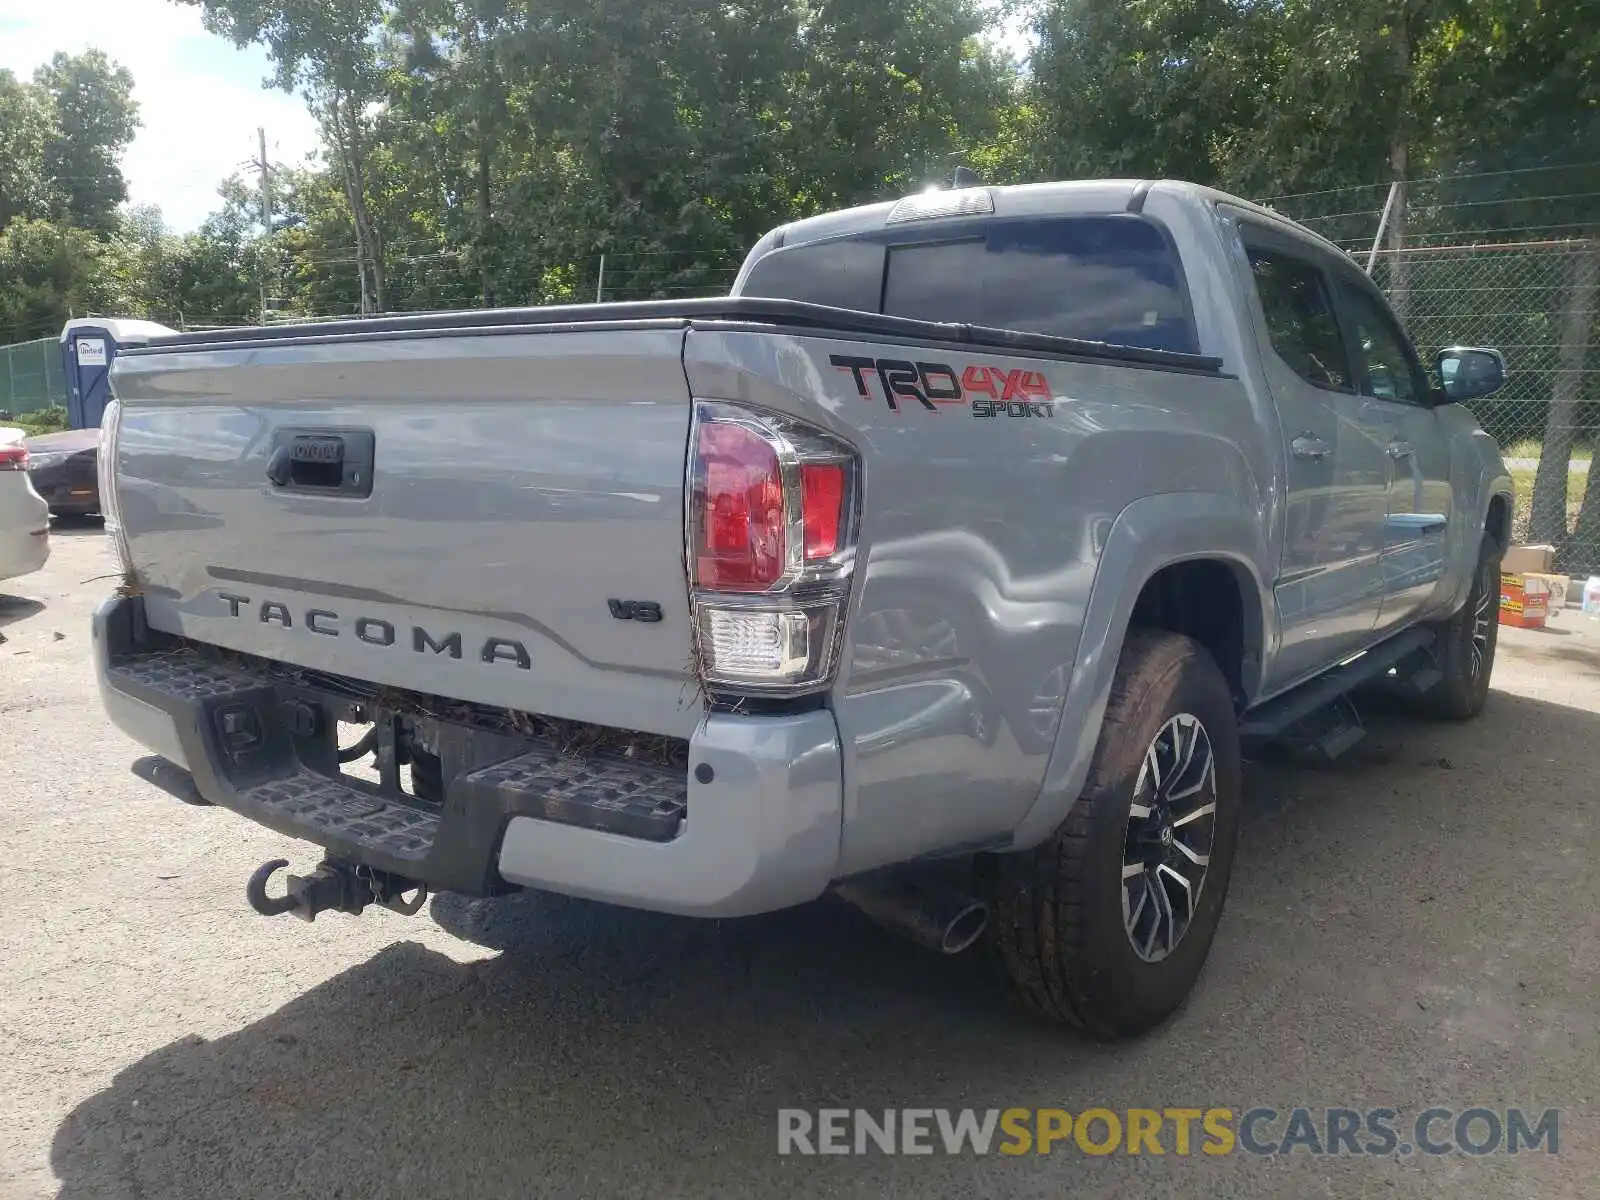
(1415, 926)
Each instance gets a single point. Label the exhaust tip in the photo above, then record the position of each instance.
(943, 919)
(965, 928)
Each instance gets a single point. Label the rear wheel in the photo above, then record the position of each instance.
(1106, 925)
(1465, 644)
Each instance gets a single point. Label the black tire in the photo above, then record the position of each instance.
(1060, 914)
(1461, 693)
(427, 776)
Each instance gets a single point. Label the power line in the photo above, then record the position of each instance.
(1436, 179)
(1509, 200)
(1457, 234)
(1354, 212)
(1353, 187)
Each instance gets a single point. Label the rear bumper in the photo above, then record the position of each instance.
(23, 551)
(70, 488)
(68, 505)
(763, 794)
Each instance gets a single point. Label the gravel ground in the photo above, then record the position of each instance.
(1413, 926)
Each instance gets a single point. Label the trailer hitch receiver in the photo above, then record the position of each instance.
(336, 886)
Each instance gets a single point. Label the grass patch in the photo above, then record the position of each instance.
(1531, 447)
(1522, 478)
(44, 420)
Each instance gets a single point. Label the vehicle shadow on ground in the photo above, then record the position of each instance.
(65, 526)
(17, 608)
(611, 1052)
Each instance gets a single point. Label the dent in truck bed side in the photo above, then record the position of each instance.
(981, 537)
(1151, 533)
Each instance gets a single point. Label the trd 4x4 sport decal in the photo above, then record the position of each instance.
(990, 391)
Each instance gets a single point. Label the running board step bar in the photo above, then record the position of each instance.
(1283, 712)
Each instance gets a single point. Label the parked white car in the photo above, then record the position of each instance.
(24, 516)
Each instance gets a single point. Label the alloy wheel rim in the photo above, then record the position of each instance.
(1166, 853)
(1482, 616)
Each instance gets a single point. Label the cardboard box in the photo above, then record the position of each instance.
(1560, 588)
(1529, 560)
(1524, 601)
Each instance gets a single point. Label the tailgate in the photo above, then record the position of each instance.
(519, 523)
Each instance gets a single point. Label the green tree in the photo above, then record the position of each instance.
(325, 50)
(449, 89)
(892, 93)
(654, 134)
(1157, 88)
(27, 126)
(49, 272)
(95, 117)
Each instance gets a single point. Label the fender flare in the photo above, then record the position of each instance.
(1497, 481)
(1151, 533)
(1493, 480)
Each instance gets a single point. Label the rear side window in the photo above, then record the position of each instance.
(842, 272)
(1300, 318)
(1112, 278)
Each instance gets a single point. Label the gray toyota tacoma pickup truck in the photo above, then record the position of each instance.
(945, 565)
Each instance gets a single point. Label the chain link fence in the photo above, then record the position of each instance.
(31, 377)
(1535, 302)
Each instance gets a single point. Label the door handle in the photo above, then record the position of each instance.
(1401, 449)
(1309, 445)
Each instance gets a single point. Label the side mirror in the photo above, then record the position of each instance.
(1468, 372)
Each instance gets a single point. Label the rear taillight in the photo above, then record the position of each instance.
(772, 518)
(822, 497)
(13, 458)
(742, 534)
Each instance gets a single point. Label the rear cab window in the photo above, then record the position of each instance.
(842, 272)
(1110, 277)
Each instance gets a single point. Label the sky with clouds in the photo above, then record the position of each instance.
(200, 99)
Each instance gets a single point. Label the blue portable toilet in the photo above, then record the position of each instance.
(88, 346)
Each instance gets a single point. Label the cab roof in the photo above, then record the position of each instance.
(1021, 200)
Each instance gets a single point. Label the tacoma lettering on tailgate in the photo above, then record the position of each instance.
(374, 631)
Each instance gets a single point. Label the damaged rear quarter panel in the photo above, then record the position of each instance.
(980, 540)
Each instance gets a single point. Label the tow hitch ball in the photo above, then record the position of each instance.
(335, 885)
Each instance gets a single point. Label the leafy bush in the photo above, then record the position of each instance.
(44, 420)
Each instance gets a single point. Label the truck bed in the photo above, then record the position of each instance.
(527, 476)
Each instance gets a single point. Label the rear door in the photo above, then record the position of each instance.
(1417, 525)
(1335, 445)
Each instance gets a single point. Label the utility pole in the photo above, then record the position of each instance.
(266, 214)
(1399, 162)
(1399, 292)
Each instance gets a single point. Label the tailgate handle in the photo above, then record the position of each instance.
(322, 461)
